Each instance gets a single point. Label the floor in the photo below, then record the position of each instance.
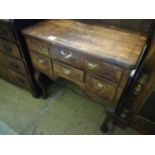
(65, 112)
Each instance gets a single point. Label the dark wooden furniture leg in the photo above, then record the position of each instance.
(40, 80)
(35, 94)
(107, 121)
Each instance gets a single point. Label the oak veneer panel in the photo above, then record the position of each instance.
(117, 46)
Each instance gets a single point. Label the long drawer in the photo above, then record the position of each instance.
(9, 48)
(12, 63)
(14, 77)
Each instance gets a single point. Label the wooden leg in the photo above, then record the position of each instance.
(35, 94)
(39, 79)
(107, 121)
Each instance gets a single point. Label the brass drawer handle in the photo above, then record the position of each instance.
(100, 86)
(44, 48)
(7, 48)
(91, 66)
(41, 61)
(66, 71)
(66, 55)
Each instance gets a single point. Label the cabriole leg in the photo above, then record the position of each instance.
(40, 80)
(108, 122)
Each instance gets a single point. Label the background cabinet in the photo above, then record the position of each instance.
(143, 109)
(15, 64)
(139, 105)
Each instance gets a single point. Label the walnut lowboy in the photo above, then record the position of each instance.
(98, 59)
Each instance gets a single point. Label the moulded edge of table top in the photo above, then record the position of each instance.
(76, 35)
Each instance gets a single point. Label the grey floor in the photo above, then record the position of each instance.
(65, 112)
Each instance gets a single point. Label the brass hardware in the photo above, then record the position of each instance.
(91, 66)
(66, 71)
(140, 84)
(41, 61)
(66, 55)
(100, 86)
(45, 49)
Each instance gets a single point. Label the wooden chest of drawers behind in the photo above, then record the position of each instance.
(98, 59)
(14, 63)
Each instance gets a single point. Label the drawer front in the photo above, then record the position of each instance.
(9, 48)
(6, 30)
(13, 63)
(39, 46)
(90, 64)
(14, 77)
(68, 72)
(103, 69)
(42, 63)
(101, 88)
(68, 56)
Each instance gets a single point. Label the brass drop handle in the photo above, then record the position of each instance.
(41, 61)
(67, 71)
(7, 48)
(91, 66)
(66, 55)
(100, 86)
(44, 48)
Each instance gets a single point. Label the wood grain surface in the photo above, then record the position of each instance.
(116, 45)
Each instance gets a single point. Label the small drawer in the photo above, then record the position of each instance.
(68, 56)
(98, 67)
(42, 64)
(9, 48)
(39, 46)
(68, 72)
(14, 77)
(13, 63)
(6, 30)
(101, 88)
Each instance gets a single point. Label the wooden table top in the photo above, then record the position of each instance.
(114, 45)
